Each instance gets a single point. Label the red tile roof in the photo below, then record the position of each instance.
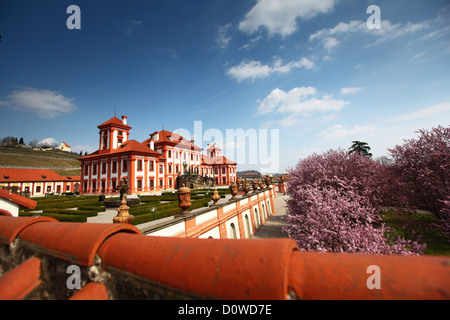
(118, 262)
(20, 200)
(130, 147)
(116, 122)
(32, 175)
(174, 139)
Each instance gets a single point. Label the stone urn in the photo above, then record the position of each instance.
(267, 181)
(255, 186)
(238, 182)
(261, 185)
(245, 187)
(184, 199)
(233, 190)
(215, 197)
(122, 213)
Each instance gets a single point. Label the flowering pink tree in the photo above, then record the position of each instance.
(423, 166)
(333, 205)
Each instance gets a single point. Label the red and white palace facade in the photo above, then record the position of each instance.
(148, 166)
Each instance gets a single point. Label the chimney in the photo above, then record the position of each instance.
(124, 119)
(152, 144)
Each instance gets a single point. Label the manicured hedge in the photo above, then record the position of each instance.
(59, 217)
(166, 212)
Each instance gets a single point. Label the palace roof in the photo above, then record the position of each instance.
(32, 175)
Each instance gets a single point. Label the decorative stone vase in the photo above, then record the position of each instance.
(215, 197)
(233, 190)
(255, 186)
(267, 181)
(122, 213)
(184, 199)
(238, 182)
(261, 185)
(245, 187)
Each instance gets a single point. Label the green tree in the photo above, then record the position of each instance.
(361, 148)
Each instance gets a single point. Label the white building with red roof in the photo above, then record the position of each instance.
(37, 182)
(65, 147)
(148, 166)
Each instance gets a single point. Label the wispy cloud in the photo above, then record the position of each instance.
(280, 17)
(339, 131)
(255, 69)
(222, 38)
(44, 103)
(331, 37)
(351, 90)
(300, 101)
(438, 109)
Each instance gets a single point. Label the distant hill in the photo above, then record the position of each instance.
(63, 163)
(243, 174)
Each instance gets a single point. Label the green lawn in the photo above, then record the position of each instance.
(410, 225)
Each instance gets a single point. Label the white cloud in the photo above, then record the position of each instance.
(351, 90)
(280, 16)
(296, 102)
(88, 149)
(222, 39)
(47, 142)
(439, 109)
(340, 131)
(388, 31)
(44, 103)
(255, 69)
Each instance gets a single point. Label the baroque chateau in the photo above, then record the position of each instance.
(152, 165)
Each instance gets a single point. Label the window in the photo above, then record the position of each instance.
(86, 170)
(233, 231)
(170, 168)
(139, 184)
(169, 154)
(151, 166)
(170, 182)
(223, 170)
(216, 171)
(176, 154)
(103, 167)
(224, 180)
(114, 166)
(94, 169)
(38, 189)
(161, 183)
(114, 184)
(160, 168)
(152, 183)
(139, 164)
(192, 157)
(177, 169)
(125, 165)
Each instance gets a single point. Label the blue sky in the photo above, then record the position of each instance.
(309, 73)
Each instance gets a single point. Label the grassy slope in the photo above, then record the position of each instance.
(56, 161)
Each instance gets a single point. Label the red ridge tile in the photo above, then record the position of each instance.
(91, 291)
(211, 268)
(76, 242)
(20, 281)
(10, 226)
(344, 276)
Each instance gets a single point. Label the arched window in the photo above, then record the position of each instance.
(257, 221)
(233, 231)
(247, 226)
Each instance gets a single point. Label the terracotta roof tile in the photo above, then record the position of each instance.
(204, 268)
(10, 227)
(228, 269)
(167, 137)
(92, 291)
(20, 200)
(21, 281)
(75, 242)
